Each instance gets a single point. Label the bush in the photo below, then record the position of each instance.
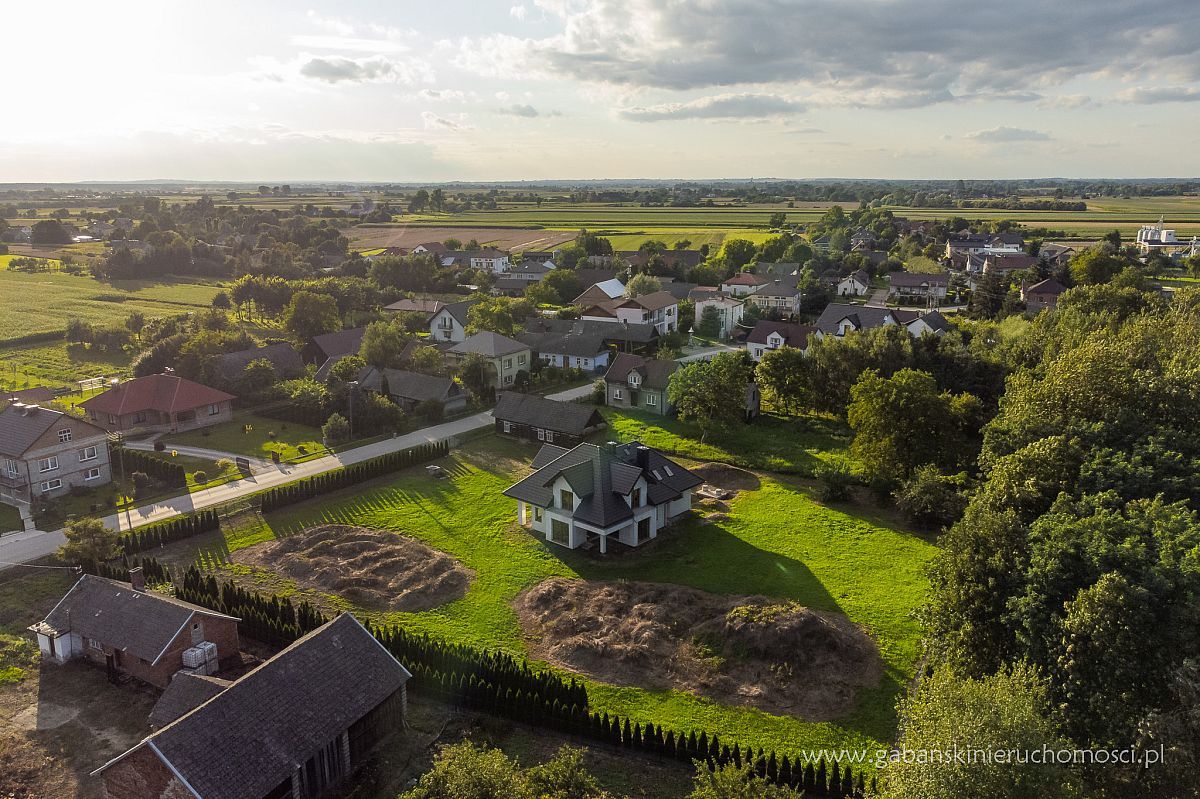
(836, 480)
(335, 430)
(930, 497)
(159, 446)
(599, 392)
(199, 477)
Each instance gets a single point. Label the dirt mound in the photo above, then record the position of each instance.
(727, 477)
(744, 650)
(373, 568)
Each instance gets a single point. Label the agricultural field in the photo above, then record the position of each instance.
(775, 539)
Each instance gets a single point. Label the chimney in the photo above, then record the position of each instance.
(136, 579)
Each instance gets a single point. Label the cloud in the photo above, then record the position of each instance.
(923, 51)
(433, 121)
(365, 70)
(1004, 134)
(1067, 101)
(804, 131)
(517, 110)
(442, 94)
(518, 12)
(721, 106)
(1160, 94)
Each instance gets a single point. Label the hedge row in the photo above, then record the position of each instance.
(313, 417)
(311, 487)
(172, 474)
(162, 533)
(496, 683)
(153, 571)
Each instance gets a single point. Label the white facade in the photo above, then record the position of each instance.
(444, 327)
(852, 286)
(729, 309)
(497, 264)
(587, 363)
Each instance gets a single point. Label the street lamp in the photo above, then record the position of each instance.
(352, 385)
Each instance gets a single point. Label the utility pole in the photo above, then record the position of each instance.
(352, 385)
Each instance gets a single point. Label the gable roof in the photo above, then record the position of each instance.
(253, 735)
(412, 386)
(935, 320)
(653, 302)
(655, 373)
(600, 477)
(488, 344)
(577, 344)
(1049, 286)
(22, 424)
(859, 276)
(163, 392)
(141, 623)
(415, 305)
(458, 310)
(918, 279)
(561, 417)
(793, 335)
(631, 332)
(778, 288)
(597, 292)
(283, 356)
(340, 342)
(746, 279)
(863, 317)
(185, 693)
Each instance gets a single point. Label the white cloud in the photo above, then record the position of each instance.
(1005, 134)
(433, 121)
(518, 12)
(721, 106)
(518, 110)
(1143, 95)
(366, 70)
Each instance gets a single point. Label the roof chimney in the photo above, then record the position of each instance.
(136, 579)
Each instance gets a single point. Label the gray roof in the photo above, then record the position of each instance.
(283, 356)
(636, 333)
(341, 342)
(407, 385)
(935, 320)
(600, 478)
(562, 417)
(458, 310)
(917, 279)
(185, 693)
(21, 425)
(864, 317)
(580, 345)
(141, 623)
(253, 735)
(655, 373)
(489, 345)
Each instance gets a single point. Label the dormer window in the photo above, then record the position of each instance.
(635, 379)
(64, 435)
(636, 498)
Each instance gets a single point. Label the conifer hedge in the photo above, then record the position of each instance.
(162, 533)
(134, 460)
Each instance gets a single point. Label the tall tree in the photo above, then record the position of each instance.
(711, 393)
(310, 314)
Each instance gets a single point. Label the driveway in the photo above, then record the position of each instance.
(256, 464)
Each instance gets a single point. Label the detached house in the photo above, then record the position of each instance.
(44, 452)
(449, 323)
(660, 309)
(295, 727)
(779, 295)
(640, 383)
(539, 419)
(856, 284)
(918, 286)
(743, 284)
(507, 356)
(132, 631)
(625, 493)
(1043, 294)
(410, 389)
(767, 336)
(838, 319)
(729, 311)
(163, 402)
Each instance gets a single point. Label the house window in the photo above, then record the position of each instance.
(64, 435)
(637, 498)
(643, 530)
(537, 514)
(139, 417)
(51, 485)
(92, 474)
(541, 434)
(549, 436)
(94, 644)
(11, 467)
(48, 464)
(560, 532)
(214, 409)
(508, 379)
(617, 394)
(521, 360)
(651, 400)
(507, 427)
(566, 500)
(635, 380)
(508, 363)
(87, 454)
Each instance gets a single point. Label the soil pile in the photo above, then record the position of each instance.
(742, 650)
(373, 568)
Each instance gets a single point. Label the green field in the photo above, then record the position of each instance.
(253, 435)
(778, 541)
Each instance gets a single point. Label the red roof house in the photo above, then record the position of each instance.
(159, 402)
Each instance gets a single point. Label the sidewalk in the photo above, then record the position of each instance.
(33, 544)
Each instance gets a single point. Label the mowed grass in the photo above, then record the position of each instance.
(10, 519)
(778, 542)
(794, 445)
(253, 435)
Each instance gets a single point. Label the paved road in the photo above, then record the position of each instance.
(200, 452)
(33, 544)
(572, 394)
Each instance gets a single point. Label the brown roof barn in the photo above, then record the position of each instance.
(296, 726)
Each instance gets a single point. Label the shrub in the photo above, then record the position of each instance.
(836, 480)
(159, 446)
(335, 430)
(200, 477)
(930, 497)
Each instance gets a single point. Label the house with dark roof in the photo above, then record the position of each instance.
(186, 692)
(44, 452)
(778, 295)
(570, 350)
(767, 336)
(1043, 294)
(415, 305)
(550, 421)
(640, 383)
(295, 727)
(932, 322)
(744, 283)
(449, 323)
(132, 631)
(621, 337)
(660, 309)
(506, 356)
(838, 319)
(163, 402)
(857, 284)
(410, 389)
(601, 292)
(283, 357)
(909, 286)
(333, 345)
(600, 495)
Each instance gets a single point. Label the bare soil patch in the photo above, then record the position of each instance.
(727, 477)
(368, 238)
(376, 569)
(741, 650)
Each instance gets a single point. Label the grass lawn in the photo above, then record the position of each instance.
(10, 519)
(256, 441)
(794, 445)
(778, 542)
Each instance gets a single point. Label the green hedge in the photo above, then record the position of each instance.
(162, 533)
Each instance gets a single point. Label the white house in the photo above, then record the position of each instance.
(856, 284)
(728, 308)
(743, 284)
(767, 336)
(450, 322)
(918, 286)
(659, 309)
(778, 295)
(493, 260)
(591, 494)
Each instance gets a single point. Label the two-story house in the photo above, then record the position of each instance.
(490, 260)
(910, 286)
(615, 493)
(659, 309)
(507, 356)
(44, 452)
(767, 336)
(856, 284)
(729, 311)
(779, 295)
(640, 383)
(743, 284)
(449, 323)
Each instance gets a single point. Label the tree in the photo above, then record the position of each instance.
(477, 375)
(382, 345)
(1003, 712)
(49, 231)
(1095, 265)
(777, 221)
(467, 771)
(135, 322)
(256, 378)
(642, 284)
(782, 374)
(310, 314)
(711, 393)
(736, 253)
(88, 540)
(932, 498)
(428, 361)
(709, 325)
(565, 284)
(335, 430)
(347, 368)
(503, 315)
(735, 782)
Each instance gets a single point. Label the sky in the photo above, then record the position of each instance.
(367, 90)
